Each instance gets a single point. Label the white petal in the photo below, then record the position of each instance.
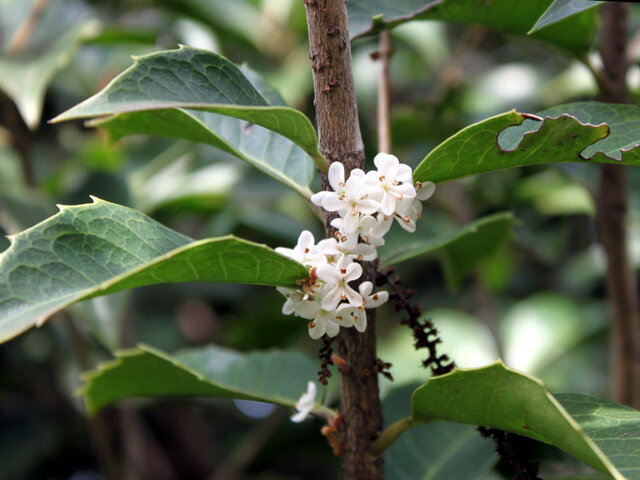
(318, 329)
(365, 289)
(344, 316)
(385, 162)
(332, 203)
(354, 297)
(330, 297)
(306, 240)
(299, 417)
(367, 206)
(425, 191)
(361, 323)
(354, 271)
(377, 299)
(318, 197)
(307, 309)
(336, 175)
(332, 329)
(328, 274)
(364, 252)
(404, 173)
(388, 204)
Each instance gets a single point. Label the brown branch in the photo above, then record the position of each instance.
(612, 203)
(339, 139)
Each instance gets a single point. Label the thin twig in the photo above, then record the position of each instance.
(249, 447)
(22, 35)
(384, 93)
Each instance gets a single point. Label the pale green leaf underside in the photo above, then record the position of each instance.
(435, 451)
(601, 434)
(491, 145)
(100, 248)
(574, 34)
(187, 93)
(278, 377)
(561, 9)
(461, 251)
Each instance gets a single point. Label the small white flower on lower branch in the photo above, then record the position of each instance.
(306, 403)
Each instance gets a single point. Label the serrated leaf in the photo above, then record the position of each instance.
(600, 433)
(200, 96)
(459, 252)
(100, 248)
(437, 451)
(26, 74)
(561, 9)
(278, 377)
(574, 34)
(564, 134)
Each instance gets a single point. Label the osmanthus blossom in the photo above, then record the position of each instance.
(366, 204)
(305, 404)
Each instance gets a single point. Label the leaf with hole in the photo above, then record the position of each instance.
(602, 434)
(278, 377)
(581, 132)
(95, 249)
(200, 96)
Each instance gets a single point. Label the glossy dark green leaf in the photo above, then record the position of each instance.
(100, 248)
(200, 96)
(574, 34)
(602, 434)
(278, 377)
(459, 252)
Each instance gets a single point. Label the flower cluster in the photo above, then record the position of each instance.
(366, 204)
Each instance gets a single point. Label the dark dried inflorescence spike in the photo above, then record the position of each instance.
(508, 446)
(325, 354)
(424, 332)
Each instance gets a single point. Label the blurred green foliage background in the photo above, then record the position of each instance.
(537, 301)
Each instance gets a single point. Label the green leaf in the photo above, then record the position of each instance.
(200, 96)
(574, 34)
(278, 377)
(437, 451)
(459, 252)
(623, 121)
(565, 134)
(95, 249)
(600, 433)
(561, 9)
(26, 74)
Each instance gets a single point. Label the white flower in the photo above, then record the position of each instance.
(306, 403)
(347, 246)
(294, 298)
(337, 280)
(390, 183)
(349, 198)
(305, 252)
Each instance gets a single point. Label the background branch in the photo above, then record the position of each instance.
(612, 204)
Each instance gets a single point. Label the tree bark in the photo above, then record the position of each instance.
(339, 139)
(612, 211)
